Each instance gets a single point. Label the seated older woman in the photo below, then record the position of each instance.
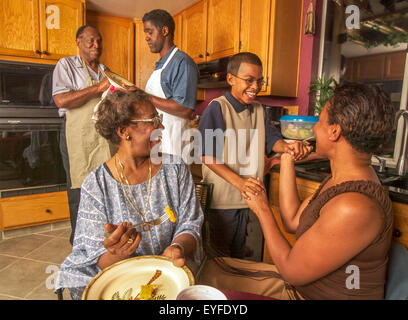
(131, 188)
(343, 230)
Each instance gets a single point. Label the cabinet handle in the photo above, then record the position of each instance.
(37, 51)
(207, 54)
(48, 211)
(397, 233)
(45, 52)
(200, 56)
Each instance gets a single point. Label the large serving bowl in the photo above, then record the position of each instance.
(298, 127)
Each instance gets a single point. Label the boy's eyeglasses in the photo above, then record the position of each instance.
(260, 82)
(157, 120)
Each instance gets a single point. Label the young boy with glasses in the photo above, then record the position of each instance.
(236, 138)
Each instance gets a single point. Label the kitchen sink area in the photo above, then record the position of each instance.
(317, 170)
(397, 182)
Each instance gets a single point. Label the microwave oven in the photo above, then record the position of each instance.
(25, 84)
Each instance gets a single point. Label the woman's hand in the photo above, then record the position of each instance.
(286, 158)
(251, 186)
(122, 242)
(298, 149)
(257, 202)
(175, 253)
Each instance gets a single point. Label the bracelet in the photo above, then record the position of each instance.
(178, 245)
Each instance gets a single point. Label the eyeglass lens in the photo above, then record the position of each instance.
(259, 82)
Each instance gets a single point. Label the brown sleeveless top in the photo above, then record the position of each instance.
(371, 262)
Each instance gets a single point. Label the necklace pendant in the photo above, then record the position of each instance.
(145, 227)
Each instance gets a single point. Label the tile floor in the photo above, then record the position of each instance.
(30, 257)
(28, 263)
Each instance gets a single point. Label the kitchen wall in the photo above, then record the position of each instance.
(308, 69)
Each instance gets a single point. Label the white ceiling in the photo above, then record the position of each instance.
(137, 8)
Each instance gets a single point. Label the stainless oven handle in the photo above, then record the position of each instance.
(13, 121)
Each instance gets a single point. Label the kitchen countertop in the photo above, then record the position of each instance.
(317, 170)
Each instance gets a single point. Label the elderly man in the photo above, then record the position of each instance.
(173, 83)
(78, 83)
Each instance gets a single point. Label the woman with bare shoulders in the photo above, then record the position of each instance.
(343, 230)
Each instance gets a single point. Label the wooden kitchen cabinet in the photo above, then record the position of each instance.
(211, 29)
(117, 42)
(376, 67)
(272, 29)
(59, 43)
(369, 68)
(194, 41)
(254, 35)
(25, 34)
(19, 28)
(178, 30)
(31, 210)
(305, 189)
(223, 27)
(144, 60)
(394, 65)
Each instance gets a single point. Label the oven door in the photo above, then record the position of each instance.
(30, 159)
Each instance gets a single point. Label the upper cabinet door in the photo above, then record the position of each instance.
(19, 28)
(284, 47)
(272, 30)
(255, 34)
(223, 28)
(178, 32)
(116, 32)
(59, 21)
(395, 65)
(195, 31)
(145, 60)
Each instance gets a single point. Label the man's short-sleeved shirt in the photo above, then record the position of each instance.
(69, 75)
(212, 118)
(179, 79)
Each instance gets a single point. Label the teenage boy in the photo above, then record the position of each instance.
(229, 162)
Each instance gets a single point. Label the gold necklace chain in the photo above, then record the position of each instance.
(123, 180)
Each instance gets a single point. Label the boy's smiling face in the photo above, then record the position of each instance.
(246, 84)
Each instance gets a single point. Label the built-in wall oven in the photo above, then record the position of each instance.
(30, 160)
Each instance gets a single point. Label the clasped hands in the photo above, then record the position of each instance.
(253, 190)
(297, 149)
(124, 241)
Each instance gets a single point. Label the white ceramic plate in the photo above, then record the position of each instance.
(116, 80)
(137, 271)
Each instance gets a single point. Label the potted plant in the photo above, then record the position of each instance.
(324, 89)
